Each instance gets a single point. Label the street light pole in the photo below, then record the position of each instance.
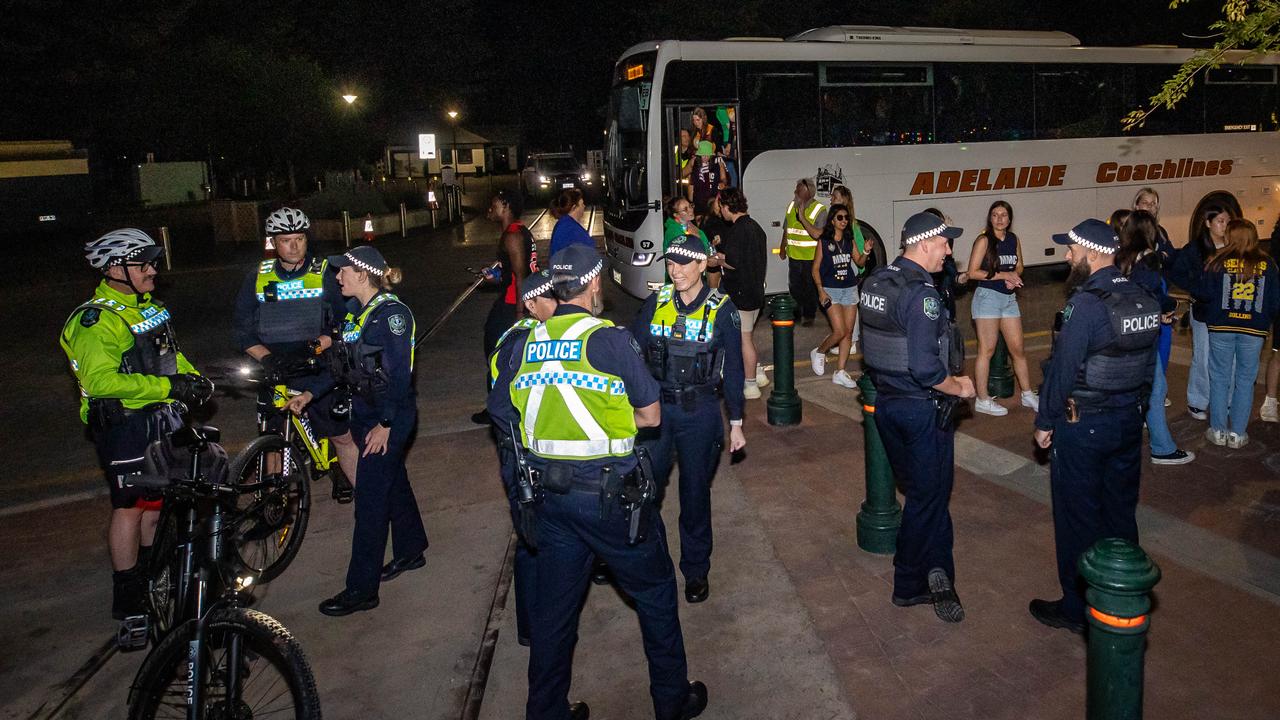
(457, 170)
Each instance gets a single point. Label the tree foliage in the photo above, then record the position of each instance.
(1247, 29)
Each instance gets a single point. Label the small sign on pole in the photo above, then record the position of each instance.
(426, 146)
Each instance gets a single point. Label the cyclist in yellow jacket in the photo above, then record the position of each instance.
(125, 357)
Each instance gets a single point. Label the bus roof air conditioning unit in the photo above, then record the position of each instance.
(883, 34)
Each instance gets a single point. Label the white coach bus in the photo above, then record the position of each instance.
(910, 118)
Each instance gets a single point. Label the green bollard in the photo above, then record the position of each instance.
(783, 405)
(1120, 577)
(1000, 372)
(880, 516)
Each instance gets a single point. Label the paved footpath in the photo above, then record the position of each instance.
(799, 623)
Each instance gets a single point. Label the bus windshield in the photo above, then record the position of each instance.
(627, 191)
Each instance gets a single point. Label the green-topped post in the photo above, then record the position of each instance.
(880, 516)
(783, 405)
(1120, 577)
(1000, 372)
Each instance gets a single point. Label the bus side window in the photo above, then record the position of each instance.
(977, 102)
(778, 107)
(1075, 101)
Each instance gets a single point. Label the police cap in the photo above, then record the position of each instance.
(924, 225)
(364, 257)
(575, 266)
(686, 249)
(536, 285)
(1091, 234)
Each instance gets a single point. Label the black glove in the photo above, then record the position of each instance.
(273, 364)
(190, 389)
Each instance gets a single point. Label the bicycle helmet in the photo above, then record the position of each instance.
(287, 220)
(121, 246)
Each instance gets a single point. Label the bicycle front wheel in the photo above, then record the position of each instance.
(271, 521)
(272, 677)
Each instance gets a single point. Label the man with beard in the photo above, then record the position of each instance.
(1091, 410)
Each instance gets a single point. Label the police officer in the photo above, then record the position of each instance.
(377, 348)
(908, 349)
(690, 336)
(125, 357)
(1091, 410)
(576, 389)
(539, 302)
(286, 309)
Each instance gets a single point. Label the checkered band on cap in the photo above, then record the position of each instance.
(686, 252)
(537, 291)
(363, 265)
(925, 235)
(1090, 244)
(589, 275)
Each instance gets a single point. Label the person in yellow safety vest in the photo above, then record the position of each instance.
(125, 357)
(575, 390)
(286, 312)
(800, 232)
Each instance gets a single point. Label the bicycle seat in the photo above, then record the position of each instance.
(189, 437)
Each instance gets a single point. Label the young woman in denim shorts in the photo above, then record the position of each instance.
(996, 264)
(836, 265)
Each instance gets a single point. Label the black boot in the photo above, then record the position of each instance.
(127, 597)
(343, 491)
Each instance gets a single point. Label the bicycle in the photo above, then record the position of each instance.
(266, 520)
(317, 454)
(220, 659)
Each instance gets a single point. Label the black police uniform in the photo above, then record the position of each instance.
(1101, 365)
(286, 328)
(689, 365)
(572, 527)
(907, 348)
(379, 368)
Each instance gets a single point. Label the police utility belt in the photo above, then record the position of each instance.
(634, 492)
(687, 396)
(108, 412)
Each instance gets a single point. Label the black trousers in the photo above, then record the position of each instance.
(805, 293)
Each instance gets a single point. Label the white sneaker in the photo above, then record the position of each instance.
(750, 390)
(1167, 402)
(842, 378)
(762, 380)
(1235, 441)
(1268, 413)
(1031, 399)
(1217, 437)
(990, 407)
(818, 361)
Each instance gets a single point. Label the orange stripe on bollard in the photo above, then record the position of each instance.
(783, 323)
(1115, 621)
(869, 409)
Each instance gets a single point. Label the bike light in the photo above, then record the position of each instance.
(243, 582)
(543, 179)
(586, 177)
(642, 258)
(245, 370)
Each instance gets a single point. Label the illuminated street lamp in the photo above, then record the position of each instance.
(351, 99)
(453, 118)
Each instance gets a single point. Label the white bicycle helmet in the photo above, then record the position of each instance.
(287, 220)
(121, 246)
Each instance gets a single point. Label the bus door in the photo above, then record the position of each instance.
(681, 146)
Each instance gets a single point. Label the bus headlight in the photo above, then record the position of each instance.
(642, 258)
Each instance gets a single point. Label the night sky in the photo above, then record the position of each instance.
(259, 83)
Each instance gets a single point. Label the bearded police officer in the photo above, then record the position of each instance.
(909, 351)
(691, 339)
(125, 357)
(539, 302)
(286, 311)
(577, 390)
(1091, 410)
